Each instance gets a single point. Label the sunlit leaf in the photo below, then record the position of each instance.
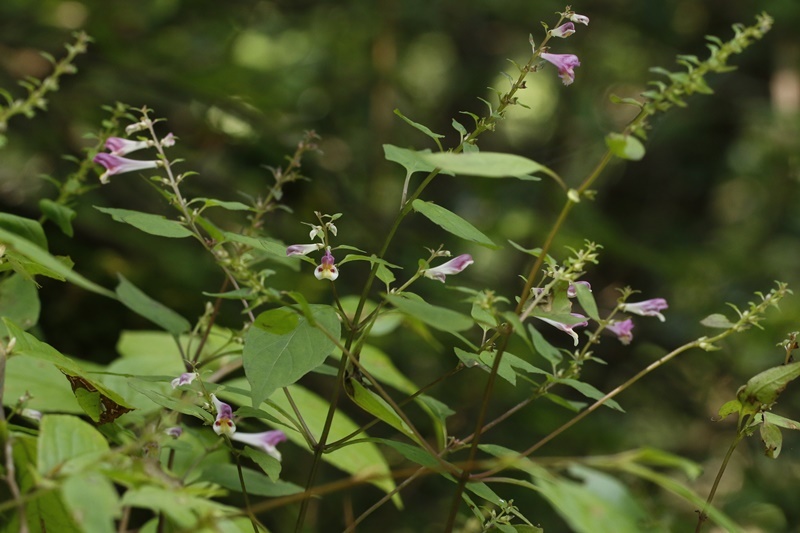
(452, 223)
(148, 223)
(487, 165)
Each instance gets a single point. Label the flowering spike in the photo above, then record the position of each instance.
(565, 63)
(327, 268)
(266, 441)
(184, 379)
(563, 31)
(117, 165)
(569, 329)
(223, 424)
(650, 307)
(454, 266)
(623, 329)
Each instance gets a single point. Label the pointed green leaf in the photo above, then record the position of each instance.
(26, 228)
(730, 407)
(590, 391)
(148, 223)
(487, 165)
(411, 160)
(66, 438)
(377, 407)
(227, 475)
(780, 421)
(420, 127)
(586, 299)
(717, 320)
(452, 223)
(140, 303)
(281, 347)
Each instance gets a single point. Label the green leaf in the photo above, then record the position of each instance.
(717, 321)
(437, 317)
(179, 505)
(93, 501)
(154, 311)
(780, 421)
(762, 390)
(267, 463)
(772, 439)
(377, 407)
(625, 146)
(544, 348)
(281, 347)
(590, 391)
(420, 127)
(227, 475)
(41, 256)
(148, 223)
(26, 228)
(509, 366)
(40, 379)
(19, 302)
(363, 458)
(61, 215)
(67, 438)
(274, 249)
(586, 299)
(411, 160)
(230, 206)
(452, 223)
(730, 407)
(487, 165)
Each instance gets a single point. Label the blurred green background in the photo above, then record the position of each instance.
(709, 216)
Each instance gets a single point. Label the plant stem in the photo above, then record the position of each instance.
(702, 517)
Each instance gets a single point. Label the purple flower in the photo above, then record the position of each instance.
(302, 249)
(223, 425)
(567, 328)
(454, 266)
(572, 292)
(327, 269)
(265, 441)
(565, 63)
(563, 31)
(184, 379)
(168, 140)
(120, 146)
(581, 19)
(117, 165)
(647, 308)
(623, 329)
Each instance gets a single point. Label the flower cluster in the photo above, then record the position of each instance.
(454, 266)
(565, 63)
(117, 147)
(327, 267)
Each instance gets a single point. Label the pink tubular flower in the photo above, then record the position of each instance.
(302, 249)
(223, 425)
(565, 63)
(120, 146)
(572, 292)
(650, 307)
(327, 269)
(569, 329)
(454, 266)
(117, 165)
(563, 31)
(184, 379)
(580, 19)
(623, 329)
(265, 441)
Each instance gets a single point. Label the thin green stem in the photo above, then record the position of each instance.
(702, 517)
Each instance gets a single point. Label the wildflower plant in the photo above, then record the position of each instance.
(227, 407)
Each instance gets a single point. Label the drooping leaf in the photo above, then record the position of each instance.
(281, 347)
(378, 407)
(140, 303)
(60, 214)
(586, 299)
(147, 222)
(730, 407)
(590, 391)
(420, 127)
(452, 223)
(625, 146)
(487, 165)
(267, 463)
(54, 266)
(439, 318)
(227, 475)
(772, 439)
